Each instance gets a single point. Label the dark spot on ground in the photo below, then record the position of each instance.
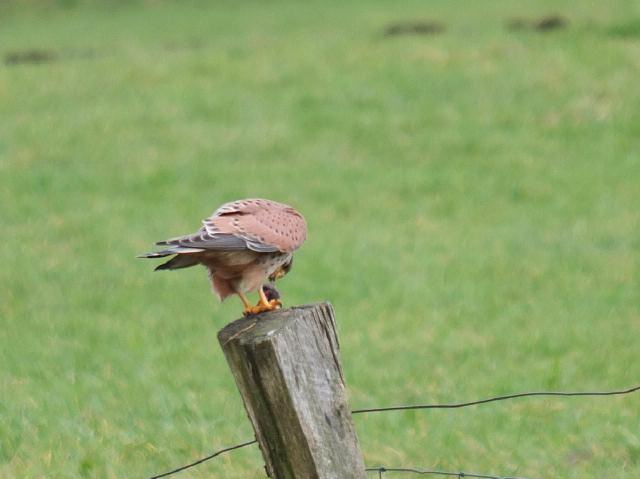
(542, 24)
(41, 55)
(552, 22)
(34, 55)
(425, 27)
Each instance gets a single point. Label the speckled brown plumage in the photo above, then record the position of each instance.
(241, 244)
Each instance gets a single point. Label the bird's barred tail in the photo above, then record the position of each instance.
(184, 257)
(178, 262)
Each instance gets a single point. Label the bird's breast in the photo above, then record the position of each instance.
(272, 261)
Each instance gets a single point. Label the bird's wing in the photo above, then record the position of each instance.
(265, 226)
(259, 225)
(202, 239)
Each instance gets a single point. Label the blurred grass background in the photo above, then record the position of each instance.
(472, 199)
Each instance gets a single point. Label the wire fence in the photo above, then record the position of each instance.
(200, 461)
(381, 470)
(412, 470)
(497, 398)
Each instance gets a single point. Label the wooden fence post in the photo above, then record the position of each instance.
(286, 364)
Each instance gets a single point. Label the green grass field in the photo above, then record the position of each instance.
(473, 208)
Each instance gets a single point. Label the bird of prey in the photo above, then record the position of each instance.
(242, 244)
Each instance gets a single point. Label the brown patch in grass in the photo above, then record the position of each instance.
(543, 24)
(425, 27)
(551, 22)
(34, 55)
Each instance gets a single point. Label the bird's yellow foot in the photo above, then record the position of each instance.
(269, 300)
(261, 307)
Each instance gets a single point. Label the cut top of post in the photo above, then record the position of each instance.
(254, 329)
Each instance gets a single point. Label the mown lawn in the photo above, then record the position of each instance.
(473, 205)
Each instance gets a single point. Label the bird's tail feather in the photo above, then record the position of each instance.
(155, 254)
(184, 257)
(170, 251)
(178, 262)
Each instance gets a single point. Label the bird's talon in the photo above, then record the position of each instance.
(275, 303)
(261, 308)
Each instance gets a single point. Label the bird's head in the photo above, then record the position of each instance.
(281, 271)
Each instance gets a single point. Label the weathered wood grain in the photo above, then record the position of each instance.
(286, 364)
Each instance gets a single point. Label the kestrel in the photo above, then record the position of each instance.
(241, 244)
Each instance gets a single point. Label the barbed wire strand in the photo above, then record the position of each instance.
(496, 398)
(424, 406)
(200, 461)
(382, 469)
